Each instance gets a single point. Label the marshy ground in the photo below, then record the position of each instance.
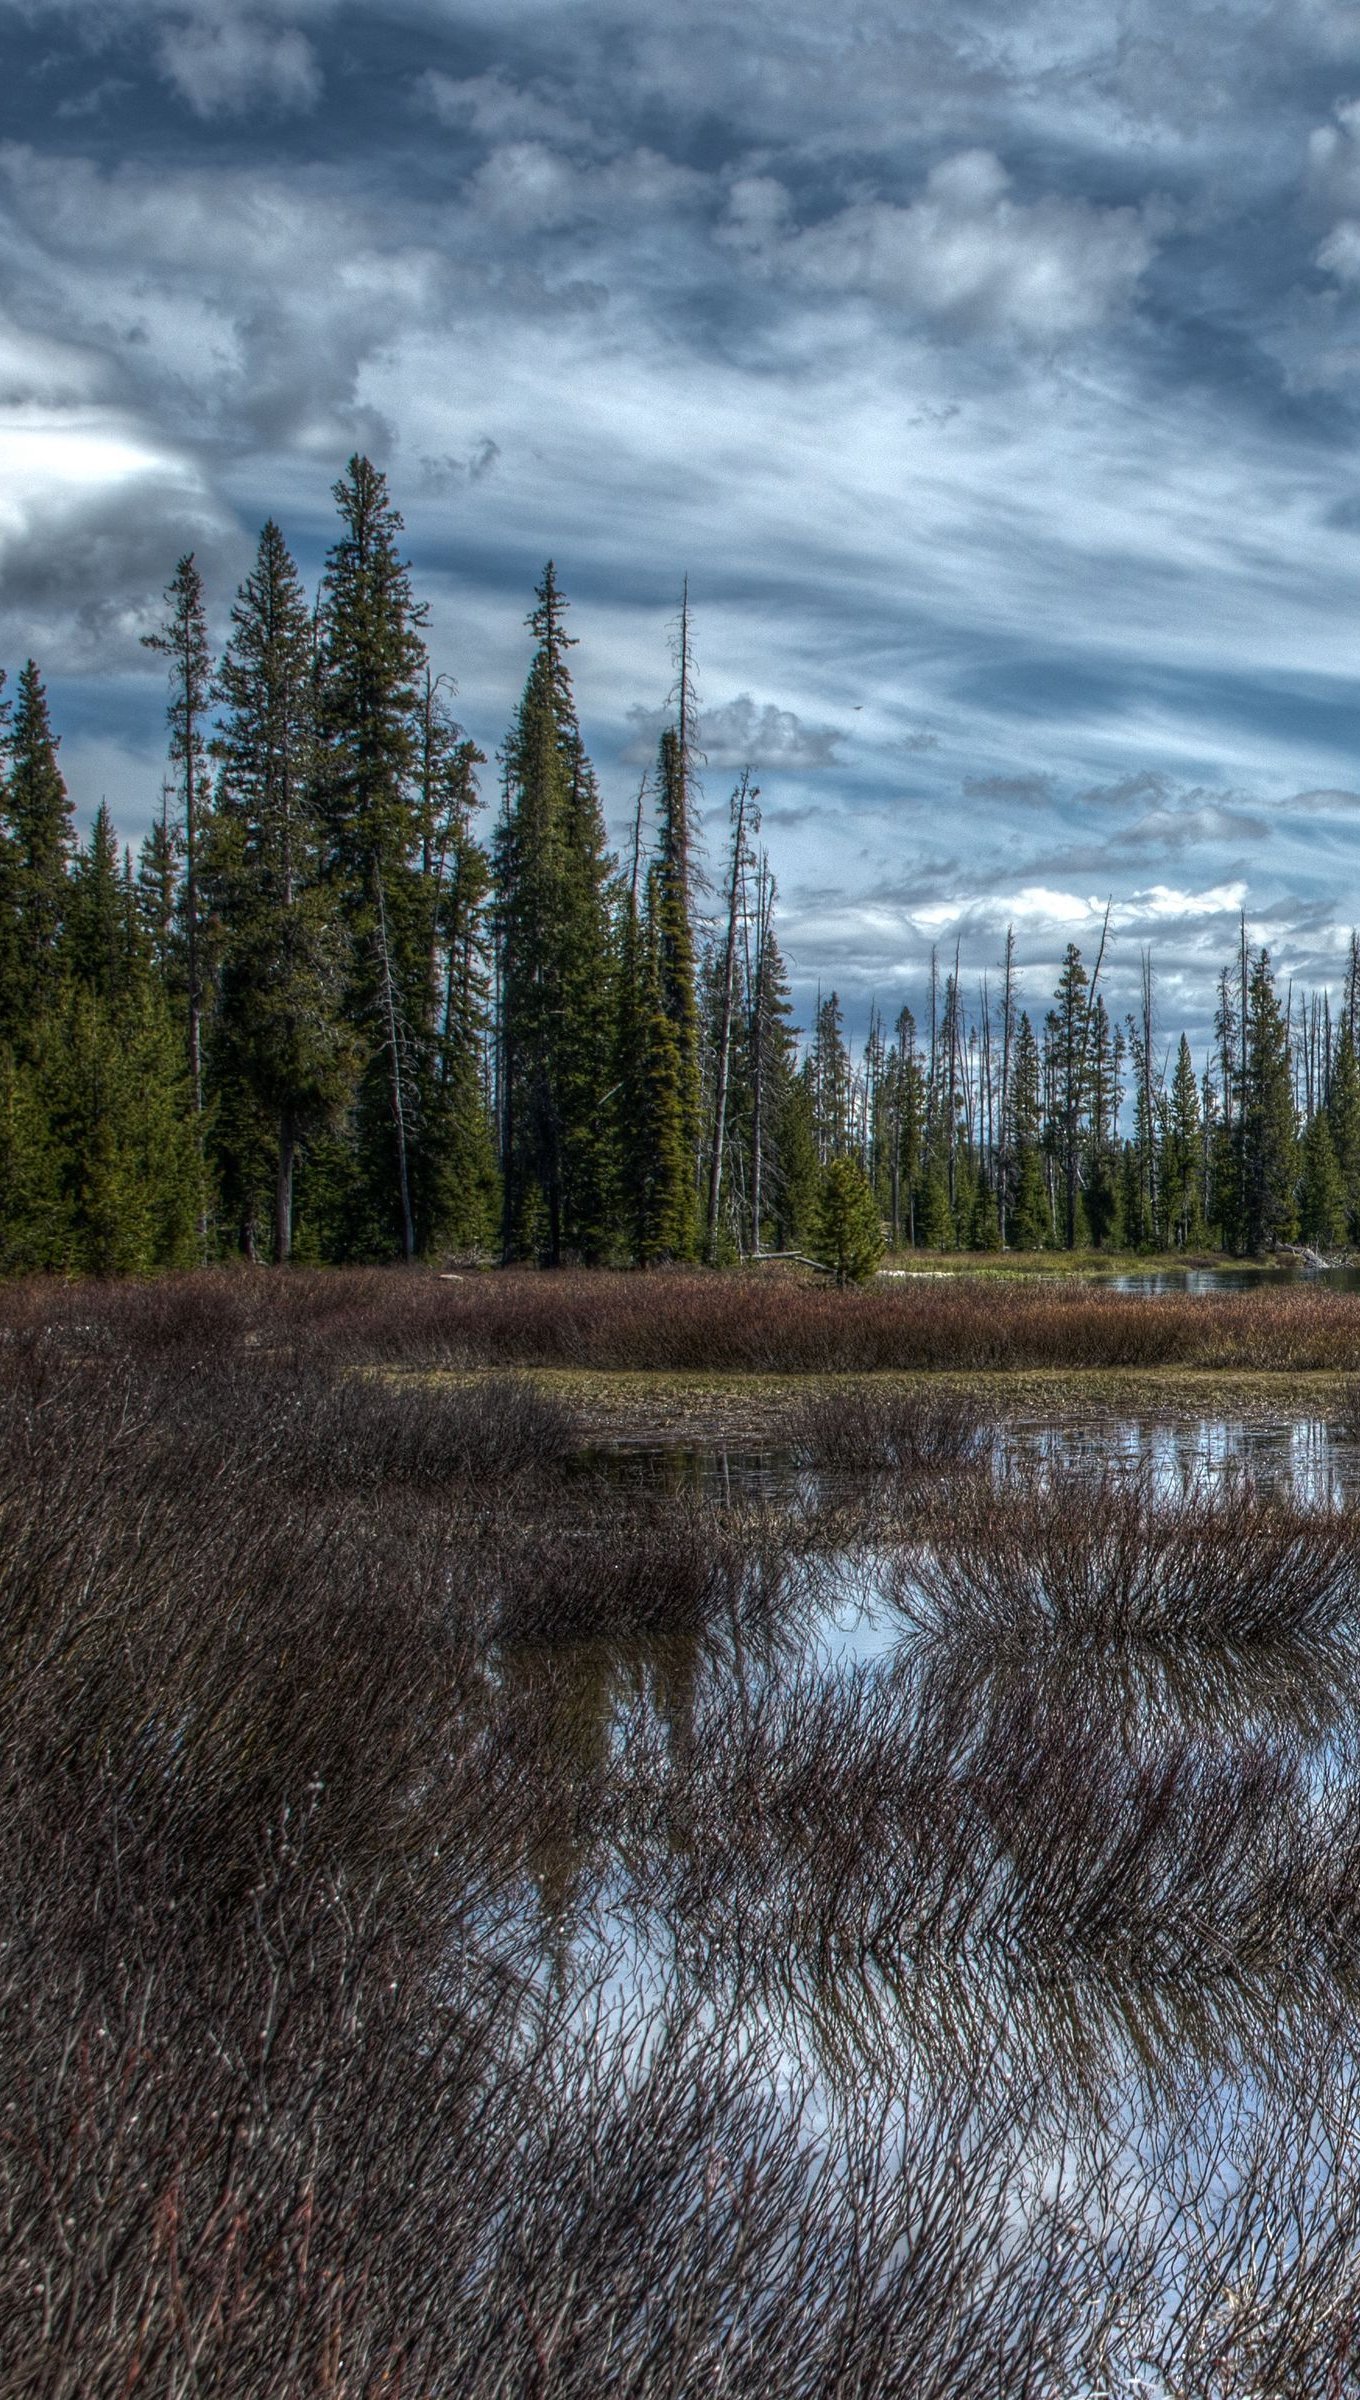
(669, 1835)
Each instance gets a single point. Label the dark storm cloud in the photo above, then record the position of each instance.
(82, 582)
(993, 372)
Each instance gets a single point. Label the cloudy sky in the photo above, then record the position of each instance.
(993, 372)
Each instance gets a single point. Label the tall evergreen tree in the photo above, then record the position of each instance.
(902, 1109)
(830, 1079)
(280, 1040)
(104, 951)
(459, 1194)
(120, 1103)
(1182, 1163)
(656, 1165)
(1343, 1111)
(158, 874)
(1267, 1131)
(1067, 1029)
(372, 669)
(34, 1208)
(1322, 1204)
(556, 967)
(37, 819)
(1028, 1218)
(182, 639)
(1103, 1193)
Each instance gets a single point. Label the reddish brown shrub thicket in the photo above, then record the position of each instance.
(679, 1319)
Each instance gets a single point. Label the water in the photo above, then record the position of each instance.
(1306, 1460)
(1157, 1283)
(1078, 1909)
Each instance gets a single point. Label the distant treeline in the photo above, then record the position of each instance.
(983, 1132)
(320, 1017)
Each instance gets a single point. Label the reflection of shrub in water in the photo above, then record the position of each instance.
(670, 1570)
(1069, 1562)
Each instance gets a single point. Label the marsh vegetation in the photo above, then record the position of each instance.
(479, 1921)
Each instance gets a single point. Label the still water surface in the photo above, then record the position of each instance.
(1098, 1898)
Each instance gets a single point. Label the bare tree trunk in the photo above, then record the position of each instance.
(741, 799)
(764, 907)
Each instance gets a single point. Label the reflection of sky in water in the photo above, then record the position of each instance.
(1205, 2112)
(1302, 1459)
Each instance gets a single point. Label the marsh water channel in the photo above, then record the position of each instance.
(1007, 1800)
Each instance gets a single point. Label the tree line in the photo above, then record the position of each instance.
(322, 1016)
(987, 1130)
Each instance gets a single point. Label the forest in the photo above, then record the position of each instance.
(325, 1016)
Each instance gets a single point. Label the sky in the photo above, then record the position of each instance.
(991, 372)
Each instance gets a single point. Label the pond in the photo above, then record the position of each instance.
(1021, 1805)
(1312, 1460)
(1157, 1282)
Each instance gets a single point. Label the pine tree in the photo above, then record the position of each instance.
(1267, 1132)
(372, 669)
(37, 821)
(1029, 1222)
(103, 951)
(459, 1191)
(770, 1052)
(556, 964)
(1322, 1206)
(1103, 1196)
(656, 1165)
(1182, 1161)
(1343, 1111)
(849, 1237)
(120, 1103)
(1066, 1029)
(281, 1044)
(797, 1182)
(902, 1108)
(182, 638)
(34, 1212)
(829, 1079)
(724, 1011)
(934, 1210)
(158, 873)
(584, 1047)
